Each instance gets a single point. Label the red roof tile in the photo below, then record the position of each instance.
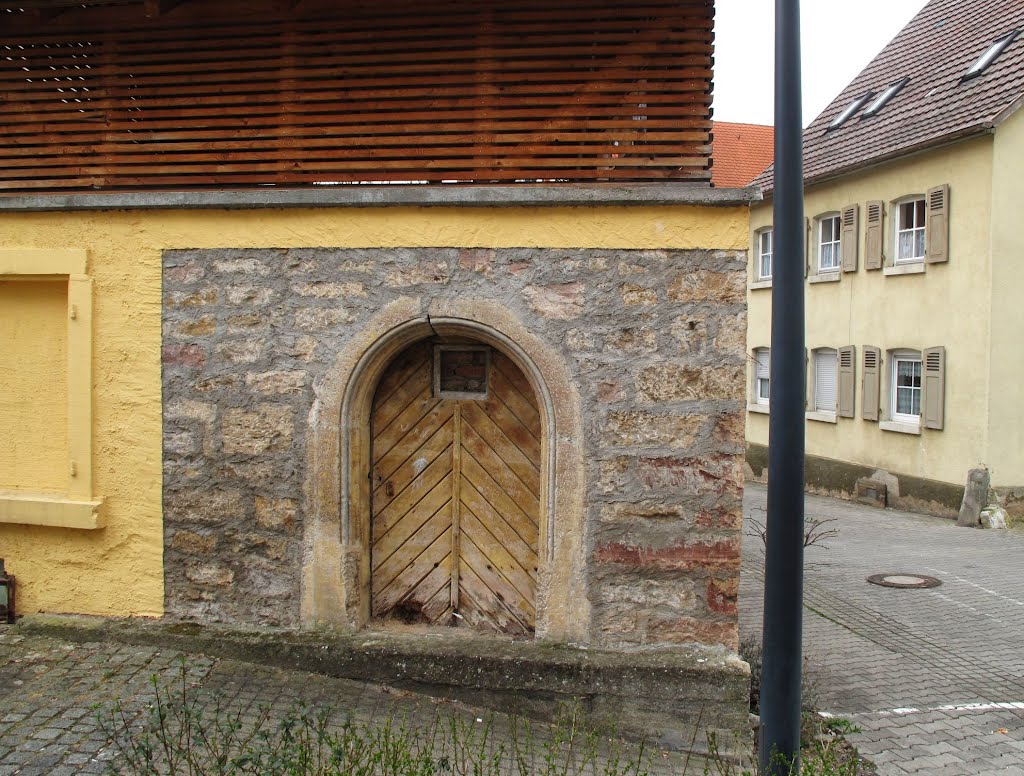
(740, 152)
(936, 105)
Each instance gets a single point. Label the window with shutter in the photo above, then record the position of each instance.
(870, 371)
(762, 375)
(905, 386)
(873, 242)
(825, 380)
(829, 231)
(937, 238)
(910, 231)
(934, 386)
(848, 239)
(847, 356)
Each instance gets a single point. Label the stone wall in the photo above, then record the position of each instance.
(654, 339)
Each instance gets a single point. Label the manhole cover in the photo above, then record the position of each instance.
(913, 581)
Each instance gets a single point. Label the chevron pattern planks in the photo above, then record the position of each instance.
(456, 499)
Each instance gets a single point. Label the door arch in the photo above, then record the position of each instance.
(455, 488)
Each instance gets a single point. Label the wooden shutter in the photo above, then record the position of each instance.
(872, 370)
(873, 235)
(847, 355)
(934, 385)
(848, 237)
(937, 226)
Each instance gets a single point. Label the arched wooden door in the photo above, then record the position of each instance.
(456, 489)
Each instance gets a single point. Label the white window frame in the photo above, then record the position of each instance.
(915, 230)
(759, 381)
(835, 252)
(765, 257)
(818, 354)
(896, 357)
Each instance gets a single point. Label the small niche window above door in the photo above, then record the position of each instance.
(461, 371)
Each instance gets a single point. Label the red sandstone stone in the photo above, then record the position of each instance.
(184, 355)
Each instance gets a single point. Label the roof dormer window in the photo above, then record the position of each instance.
(883, 98)
(851, 109)
(986, 59)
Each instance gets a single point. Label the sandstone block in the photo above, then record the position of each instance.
(580, 340)
(706, 475)
(185, 299)
(610, 391)
(260, 473)
(190, 409)
(691, 332)
(278, 382)
(240, 351)
(477, 259)
(731, 334)
(320, 289)
(722, 594)
(200, 327)
(248, 323)
(302, 348)
(218, 383)
(693, 630)
(636, 428)
(635, 593)
(628, 512)
(613, 475)
(638, 295)
(182, 443)
(559, 302)
(681, 556)
(192, 543)
(275, 513)
(183, 355)
(320, 318)
(722, 517)
(248, 295)
(678, 382)
(206, 505)
(269, 428)
(210, 574)
(422, 273)
(241, 267)
(703, 285)
(729, 432)
(641, 340)
(185, 274)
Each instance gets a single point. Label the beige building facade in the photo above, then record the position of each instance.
(913, 325)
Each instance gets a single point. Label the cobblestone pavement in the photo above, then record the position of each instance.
(934, 678)
(53, 694)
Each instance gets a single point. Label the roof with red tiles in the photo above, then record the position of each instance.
(740, 152)
(936, 104)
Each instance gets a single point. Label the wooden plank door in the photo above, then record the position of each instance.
(456, 498)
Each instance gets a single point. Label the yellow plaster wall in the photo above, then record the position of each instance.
(118, 570)
(33, 385)
(1006, 399)
(947, 305)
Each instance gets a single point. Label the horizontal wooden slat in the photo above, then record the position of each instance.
(252, 94)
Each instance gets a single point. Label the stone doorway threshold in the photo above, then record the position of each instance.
(672, 698)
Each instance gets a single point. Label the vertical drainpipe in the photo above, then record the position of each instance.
(783, 583)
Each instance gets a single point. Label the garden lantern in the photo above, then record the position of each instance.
(6, 595)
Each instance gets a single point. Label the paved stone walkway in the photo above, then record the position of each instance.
(53, 695)
(934, 678)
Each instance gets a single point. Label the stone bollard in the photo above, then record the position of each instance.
(975, 498)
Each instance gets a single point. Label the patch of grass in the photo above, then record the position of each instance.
(185, 731)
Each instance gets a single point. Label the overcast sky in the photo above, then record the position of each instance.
(838, 40)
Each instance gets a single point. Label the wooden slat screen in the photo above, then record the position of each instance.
(393, 91)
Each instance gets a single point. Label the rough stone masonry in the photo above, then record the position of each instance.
(653, 338)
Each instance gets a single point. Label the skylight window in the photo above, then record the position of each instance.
(990, 55)
(852, 108)
(883, 98)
